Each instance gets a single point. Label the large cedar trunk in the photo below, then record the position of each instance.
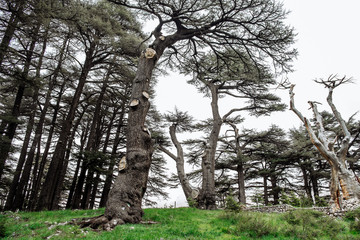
(207, 198)
(124, 200)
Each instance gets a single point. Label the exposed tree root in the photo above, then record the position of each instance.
(103, 223)
(98, 223)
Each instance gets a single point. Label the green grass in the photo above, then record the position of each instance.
(181, 223)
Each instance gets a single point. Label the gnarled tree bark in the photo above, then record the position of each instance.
(344, 187)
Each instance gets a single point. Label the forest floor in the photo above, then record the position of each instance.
(183, 223)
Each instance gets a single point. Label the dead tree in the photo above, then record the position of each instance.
(344, 187)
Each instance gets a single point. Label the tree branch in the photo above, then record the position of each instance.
(292, 104)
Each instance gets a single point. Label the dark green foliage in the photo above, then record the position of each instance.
(296, 200)
(231, 204)
(299, 224)
(192, 203)
(321, 202)
(355, 226)
(308, 224)
(2, 226)
(354, 217)
(256, 225)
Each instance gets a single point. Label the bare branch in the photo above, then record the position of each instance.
(346, 140)
(292, 103)
(334, 81)
(167, 152)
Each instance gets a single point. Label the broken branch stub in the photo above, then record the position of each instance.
(146, 94)
(194, 193)
(145, 129)
(150, 53)
(134, 103)
(122, 164)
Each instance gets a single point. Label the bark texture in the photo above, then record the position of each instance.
(124, 201)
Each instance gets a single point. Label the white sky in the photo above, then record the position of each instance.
(328, 42)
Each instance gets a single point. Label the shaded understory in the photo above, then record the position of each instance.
(183, 223)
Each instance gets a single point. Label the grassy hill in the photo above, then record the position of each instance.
(183, 223)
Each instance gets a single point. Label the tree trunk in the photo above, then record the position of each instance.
(190, 193)
(207, 195)
(11, 27)
(124, 200)
(73, 184)
(92, 144)
(57, 195)
(6, 143)
(40, 124)
(39, 177)
(266, 196)
(110, 171)
(47, 196)
(241, 183)
(25, 176)
(275, 189)
(87, 190)
(315, 186)
(94, 191)
(19, 186)
(15, 188)
(307, 186)
(207, 198)
(34, 176)
(76, 198)
(73, 191)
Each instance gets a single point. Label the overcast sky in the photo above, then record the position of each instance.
(328, 42)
